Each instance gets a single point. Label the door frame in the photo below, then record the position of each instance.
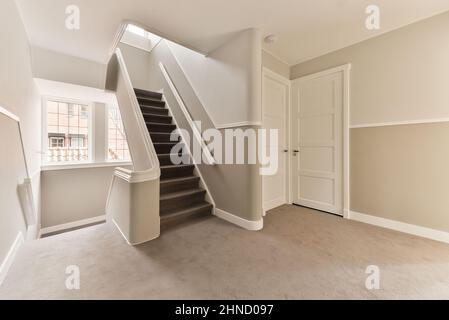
(285, 81)
(345, 71)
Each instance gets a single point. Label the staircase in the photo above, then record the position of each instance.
(180, 194)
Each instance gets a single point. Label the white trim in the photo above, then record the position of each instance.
(401, 226)
(27, 202)
(245, 224)
(343, 68)
(118, 36)
(9, 258)
(277, 57)
(346, 69)
(121, 232)
(56, 167)
(276, 76)
(266, 206)
(74, 224)
(9, 114)
(131, 176)
(195, 131)
(126, 239)
(400, 123)
(269, 205)
(239, 124)
(197, 170)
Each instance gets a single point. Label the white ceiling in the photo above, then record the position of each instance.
(305, 28)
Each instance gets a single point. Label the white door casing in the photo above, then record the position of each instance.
(275, 108)
(319, 122)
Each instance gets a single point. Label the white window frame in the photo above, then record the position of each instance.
(106, 136)
(56, 138)
(91, 137)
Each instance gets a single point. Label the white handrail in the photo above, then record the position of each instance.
(196, 132)
(25, 189)
(143, 154)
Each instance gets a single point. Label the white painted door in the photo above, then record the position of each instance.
(276, 95)
(317, 140)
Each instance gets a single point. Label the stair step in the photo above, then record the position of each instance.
(160, 127)
(147, 110)
(181, 197)
(165, 147)
(180, 200)
(144, 101)
(182, 194)
(162, 137)
(197, 210)
(179, 184)
(157, 118)
(176, 171)
(146, 93)
(165, 159)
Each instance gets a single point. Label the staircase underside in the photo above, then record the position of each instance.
(180, 194)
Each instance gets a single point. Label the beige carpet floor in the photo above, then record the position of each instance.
(300, 254)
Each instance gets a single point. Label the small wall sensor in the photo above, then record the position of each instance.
(271, 38)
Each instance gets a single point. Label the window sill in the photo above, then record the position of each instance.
(71, 166)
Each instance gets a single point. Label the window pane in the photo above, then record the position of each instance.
(117, 145)
(68, 130)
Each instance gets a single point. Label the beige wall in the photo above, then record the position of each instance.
(74, 194)
(56, 66)
(274, 64)
(225, 80)
(18, 94)
(138, 66)
(402, 173)
(402, 75)
(398, 172)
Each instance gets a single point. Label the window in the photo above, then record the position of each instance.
(140, 38)
(117, 145)
(77, 142)
(136, 30)
(56, 142)
(71, 140)
(68, 127)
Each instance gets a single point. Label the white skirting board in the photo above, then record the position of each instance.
(9, 259)
(269, 205)
(245, 224)
(74, 224)
(401, 226)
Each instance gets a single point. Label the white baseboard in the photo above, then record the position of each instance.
(400, 226)
(74, 224)
(267, 206)
(245, 224)
(126, 239)
(9, 259)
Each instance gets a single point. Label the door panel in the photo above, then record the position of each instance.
(317, 137)
(276, 94)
